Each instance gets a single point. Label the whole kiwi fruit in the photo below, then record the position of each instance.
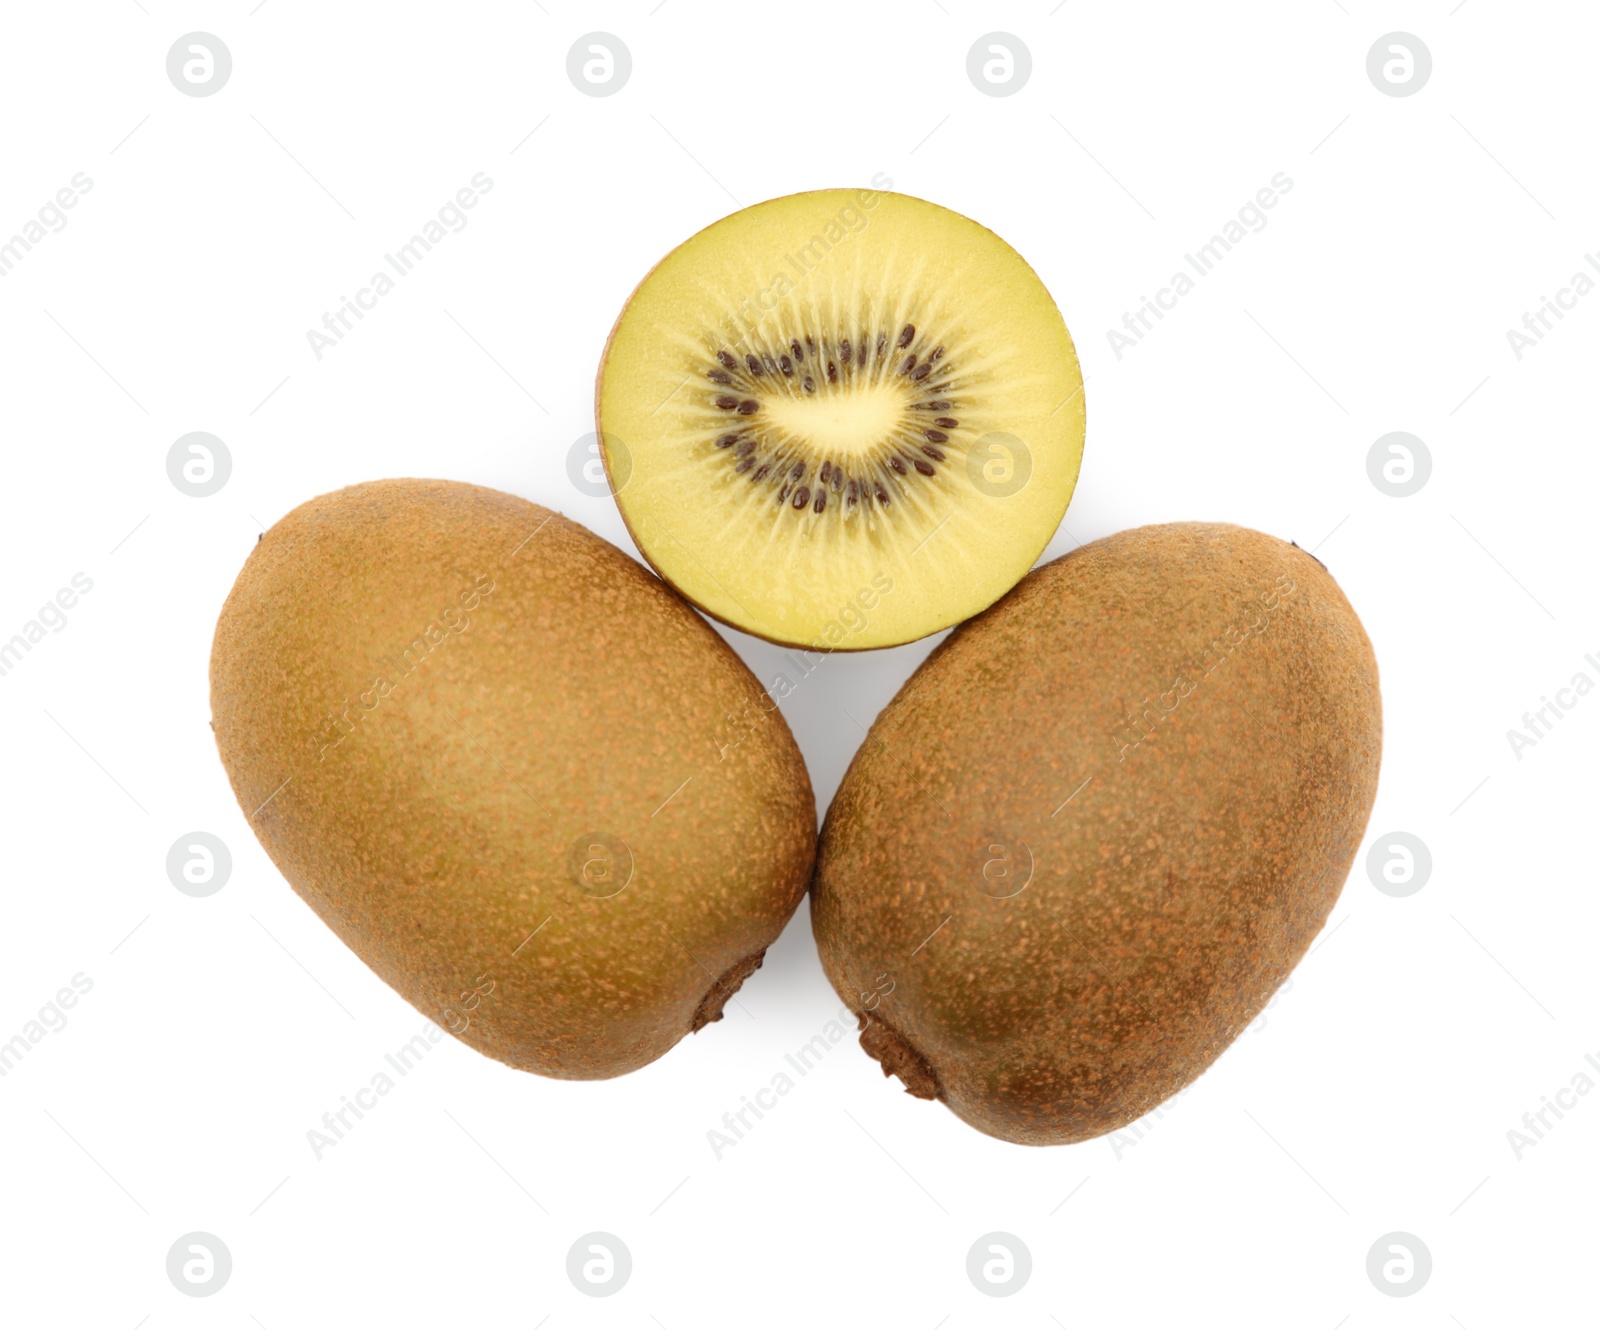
(1094, 832)
(516, 774)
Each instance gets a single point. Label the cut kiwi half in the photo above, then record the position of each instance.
(841, 419)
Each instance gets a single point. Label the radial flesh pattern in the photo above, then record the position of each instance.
(842, 419)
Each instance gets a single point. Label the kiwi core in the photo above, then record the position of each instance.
(833, 426)
(848, 425)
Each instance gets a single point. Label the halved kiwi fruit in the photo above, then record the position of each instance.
(841, 419)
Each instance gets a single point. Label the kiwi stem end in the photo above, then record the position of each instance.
(899, 1058)
(711, 1005)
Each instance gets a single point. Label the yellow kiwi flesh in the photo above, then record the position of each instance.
(520, 778)
(1094, 832)
(841, 419)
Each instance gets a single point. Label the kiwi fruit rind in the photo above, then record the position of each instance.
(1094, 832)
(533, 790)
(841, 419)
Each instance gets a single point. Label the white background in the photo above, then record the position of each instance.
(1377, 1092)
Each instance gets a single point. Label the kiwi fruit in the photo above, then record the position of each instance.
(1091, 836)
(841, 419)
(533, 790)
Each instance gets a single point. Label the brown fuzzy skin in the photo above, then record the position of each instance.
(431, 698)
(1170, 896)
